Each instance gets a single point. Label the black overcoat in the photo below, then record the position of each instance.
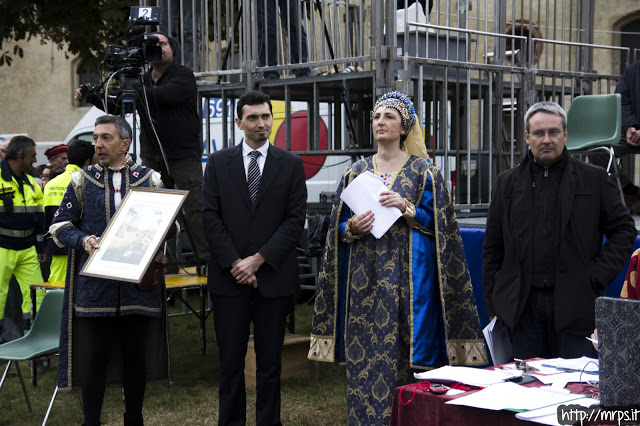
(590, 207)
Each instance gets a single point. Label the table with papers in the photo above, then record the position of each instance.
(429, 409)
(498, 403)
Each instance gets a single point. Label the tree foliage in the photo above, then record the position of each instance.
(79, 27)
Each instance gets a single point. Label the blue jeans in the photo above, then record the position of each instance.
(293, 26)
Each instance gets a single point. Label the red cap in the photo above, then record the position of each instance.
(55, 150)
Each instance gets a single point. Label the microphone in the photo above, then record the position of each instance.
(136, 30)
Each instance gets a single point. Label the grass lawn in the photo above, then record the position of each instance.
(192, 397)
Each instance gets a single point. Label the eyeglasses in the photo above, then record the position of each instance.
(553, 133)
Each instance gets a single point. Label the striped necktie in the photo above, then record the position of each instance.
(253, 176)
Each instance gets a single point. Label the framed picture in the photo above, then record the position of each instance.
(135, 234)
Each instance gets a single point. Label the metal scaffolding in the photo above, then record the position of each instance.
(471, 68)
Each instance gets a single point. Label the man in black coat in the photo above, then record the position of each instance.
(171, 94)
(544, 262)
(173, 102)
(254, 208)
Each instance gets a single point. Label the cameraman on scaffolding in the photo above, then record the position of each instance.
(172, 95)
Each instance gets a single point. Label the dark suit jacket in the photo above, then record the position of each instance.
(236, 230)
(590, 207)
(629, 88)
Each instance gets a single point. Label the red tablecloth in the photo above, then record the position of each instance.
(429, 409)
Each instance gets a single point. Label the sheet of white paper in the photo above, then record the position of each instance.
(541, 366)
(363, 194)
(586, 363)
(557, 365)
(467, 375)
(549, 415)
(511, 396)
(549, 375)
(486, 332)
(558, 386)
(560, 378)
(498, 342)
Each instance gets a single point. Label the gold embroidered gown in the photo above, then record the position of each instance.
(402, 302)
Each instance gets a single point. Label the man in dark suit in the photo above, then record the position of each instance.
(253, 210)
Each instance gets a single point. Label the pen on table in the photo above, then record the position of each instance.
(592, 340)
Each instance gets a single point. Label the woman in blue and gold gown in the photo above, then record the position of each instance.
(404, 302)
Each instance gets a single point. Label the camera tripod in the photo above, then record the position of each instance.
(132, 98)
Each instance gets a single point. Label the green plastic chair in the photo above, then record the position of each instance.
(593, 123)
(41, 341)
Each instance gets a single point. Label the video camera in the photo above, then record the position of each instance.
(128, 62)
(140, 47)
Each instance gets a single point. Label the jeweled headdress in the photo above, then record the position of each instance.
(401, 103)
(414, 141)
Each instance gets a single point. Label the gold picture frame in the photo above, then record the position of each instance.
(135, 234)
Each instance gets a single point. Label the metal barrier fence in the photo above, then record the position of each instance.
(472, 68)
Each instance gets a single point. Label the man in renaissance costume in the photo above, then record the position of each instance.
(112, 331)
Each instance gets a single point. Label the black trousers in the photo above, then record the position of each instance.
(232, 317)
(129, 328)
(535, 334)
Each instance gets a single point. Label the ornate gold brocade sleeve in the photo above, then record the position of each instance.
(410, 214)
(348, 237)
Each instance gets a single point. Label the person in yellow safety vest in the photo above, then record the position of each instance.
(21, 223)
(80, 154)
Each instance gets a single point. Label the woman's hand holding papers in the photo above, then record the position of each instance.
(362, 223)
(393, 199)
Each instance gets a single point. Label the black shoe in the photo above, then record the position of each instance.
(302, 72)
(271, 75)
(136, 421)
